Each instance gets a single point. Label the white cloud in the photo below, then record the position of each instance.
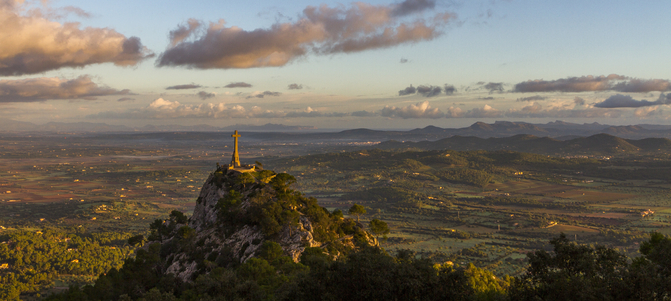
(419, 110)
(163, 109)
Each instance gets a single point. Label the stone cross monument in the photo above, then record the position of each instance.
(235, 162)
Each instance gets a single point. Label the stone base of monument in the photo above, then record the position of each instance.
(243, 168)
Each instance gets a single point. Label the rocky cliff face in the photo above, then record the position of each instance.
(237, 212)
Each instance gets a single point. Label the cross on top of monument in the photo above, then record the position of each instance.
(235, 161)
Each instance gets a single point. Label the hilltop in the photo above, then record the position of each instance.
(237, 213)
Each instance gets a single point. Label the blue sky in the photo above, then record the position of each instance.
(603, 61)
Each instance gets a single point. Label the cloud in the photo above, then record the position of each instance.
(454, 112)
(125, 99)
(494, 87)
(626, 101)
(579, 101)
(205, 95)
(319, 30)
(263, 94)
(363, 114)
(238, 85)
(295, 87)
(642, 86)
(589, 83)
(412, 6)
(407, 91)
(485, 112)
(32, 43)
(429, 91)
(449, 89)
(647, 111)
(183, 87)
(532, 98)
(426, 91)
(419, 110)
(403, 61)
(44, 88)
(309, 112)
(165, 109)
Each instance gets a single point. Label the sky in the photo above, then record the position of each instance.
(333, 64)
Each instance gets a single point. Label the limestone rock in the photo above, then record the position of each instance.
(217, 240)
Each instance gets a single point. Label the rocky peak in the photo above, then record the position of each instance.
(237, 212)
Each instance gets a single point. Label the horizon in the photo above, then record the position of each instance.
(291, 128)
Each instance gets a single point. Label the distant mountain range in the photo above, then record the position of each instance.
(558, 130)
(599, 144)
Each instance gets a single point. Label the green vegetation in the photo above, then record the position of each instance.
(569, 272)
(32, 261)
(379, 227)
(356, 210)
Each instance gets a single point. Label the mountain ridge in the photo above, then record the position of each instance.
(599, 144)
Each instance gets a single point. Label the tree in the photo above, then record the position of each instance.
(244, 179)
(357, 210)
(179, 217)
(337, 213)
(571, 272)
(282, 181)
(270, 250)
(379, 227)
(135, 240)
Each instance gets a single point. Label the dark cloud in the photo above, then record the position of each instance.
(429, 91)
(45, 88)
(125, 99)
(494, 87)
(403, 61)
(319, 30)
(31, 43)
(419, 110)
(426, 91)
(295, 87)
(579, 101)
(486, 98)
(589, 83)
(642, 86)
(264, 94)
(183, 87)
(626, 101)
(532, 98)
(205, 95)
(363, 114)
(238, 85)
(449, 89)
(412, 6)
(407, 91)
